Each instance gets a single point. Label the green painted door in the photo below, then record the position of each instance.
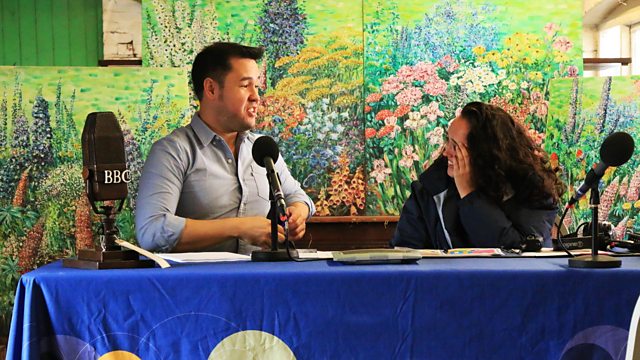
(50, 32)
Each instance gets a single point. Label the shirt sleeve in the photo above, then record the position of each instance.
(157, 226)
(291, 187)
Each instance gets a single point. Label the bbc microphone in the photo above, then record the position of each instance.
(265, 153)
(616, 150)
(103, 158)
(104, 170)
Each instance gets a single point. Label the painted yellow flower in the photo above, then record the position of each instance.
(535, 76)
(608, 173)
(537, 54)
(636, 204)
(321, 83)
(583, 203)
(479, 50)
(298, 67)
(346, 100)
(559, 56)
(508, 41)
(626, 206)
(284, 60)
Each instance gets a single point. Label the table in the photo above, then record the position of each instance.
(501, 308)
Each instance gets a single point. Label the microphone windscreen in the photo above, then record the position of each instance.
(103, 157)
(263, 147)
(617, 149)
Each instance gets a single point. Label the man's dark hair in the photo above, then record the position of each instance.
(213, 62)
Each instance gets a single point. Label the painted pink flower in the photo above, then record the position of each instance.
(537, 137)
(620, 229)
(436, 87)
(406, 74)
(392, 85)
(536, 96)
(606, 200)
(410, 96)
(432, 112)
(551, 29)
(424, 71)
(541, 109)
(448, 63)
(436, 136)
(563, 44)
(380, 171)
(408, 157)
(633, 191)
(375, 97)
(383, 114)
(572, 71)
(415, 121)
(401, 111)
(369, 133)
(388, 130)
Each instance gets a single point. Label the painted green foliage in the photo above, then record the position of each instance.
(359, 94)
(582, 113)
(44, 214)
(425, 60)
(311, 87)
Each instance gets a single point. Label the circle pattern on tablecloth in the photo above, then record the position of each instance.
(252, 344)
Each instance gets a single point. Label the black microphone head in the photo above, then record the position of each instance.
(617, 149)
(103, 158)
(264, 147)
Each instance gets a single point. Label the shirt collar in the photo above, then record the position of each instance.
(206, 135)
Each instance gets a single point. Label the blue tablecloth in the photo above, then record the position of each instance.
(436, 309)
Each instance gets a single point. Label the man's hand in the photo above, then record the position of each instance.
(297, 213)
(462, 171)
(257, 231)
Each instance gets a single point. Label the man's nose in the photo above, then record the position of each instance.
(254, 96)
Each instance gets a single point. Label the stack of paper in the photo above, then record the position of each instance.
(196, 257)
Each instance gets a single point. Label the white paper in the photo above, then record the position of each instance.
(549, 252)
(195, 257)
(302, 254)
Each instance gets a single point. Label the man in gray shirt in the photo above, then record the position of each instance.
(200, 189)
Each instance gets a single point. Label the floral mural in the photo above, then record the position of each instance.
(420, 73)
(359, 94)
(583, 112)
(44, 211)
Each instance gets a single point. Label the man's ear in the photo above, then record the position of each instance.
(210, 89)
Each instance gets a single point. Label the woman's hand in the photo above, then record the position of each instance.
(462, 171)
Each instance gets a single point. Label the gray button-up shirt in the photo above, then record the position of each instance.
(192, 173)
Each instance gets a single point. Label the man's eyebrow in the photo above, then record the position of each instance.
(245, 78)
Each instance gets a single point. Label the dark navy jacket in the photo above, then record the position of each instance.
(486, 224)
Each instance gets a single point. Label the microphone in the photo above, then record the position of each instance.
(103, 158)
(104, 170)
(265, 153)
(616, 150)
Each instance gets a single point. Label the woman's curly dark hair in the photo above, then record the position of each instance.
(505, 159)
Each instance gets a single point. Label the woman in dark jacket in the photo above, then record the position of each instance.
(492, 187)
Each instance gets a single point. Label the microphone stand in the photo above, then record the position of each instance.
(107, 254)
(274, 254)
(109, 227)
(594, 261)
